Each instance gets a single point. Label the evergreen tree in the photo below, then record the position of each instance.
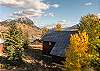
(14, 42)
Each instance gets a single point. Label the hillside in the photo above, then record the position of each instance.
(25, 24)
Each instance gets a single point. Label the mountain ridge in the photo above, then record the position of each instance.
(26, 24)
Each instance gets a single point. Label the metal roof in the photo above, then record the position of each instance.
(62, 41)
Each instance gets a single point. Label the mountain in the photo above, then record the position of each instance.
(26, 24)
(72, 28)
(25, 20)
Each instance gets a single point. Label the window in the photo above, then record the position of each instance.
(49, 43)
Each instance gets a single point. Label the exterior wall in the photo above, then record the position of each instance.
(47, 49)
(47, 46)
(40, 47)
(37, 44)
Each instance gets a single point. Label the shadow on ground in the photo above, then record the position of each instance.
(35, 61)
(43, 62)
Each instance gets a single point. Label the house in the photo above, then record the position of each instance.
(36, 44)
(56, 43)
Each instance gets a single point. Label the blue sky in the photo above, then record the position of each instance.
(49, 12)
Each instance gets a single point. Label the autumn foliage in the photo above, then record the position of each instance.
(84, 50)
(77, 56)
(58, 27)
(91, 24)
(45, 30)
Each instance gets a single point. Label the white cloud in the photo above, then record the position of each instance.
(98, 15)
(55, 5)
(36, 4)
(0, 20)
(50, 14)
(38, 11)
(88, 4)
(63, 20)
(27, 13)
(29, 7)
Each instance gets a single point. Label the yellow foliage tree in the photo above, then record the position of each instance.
(45, 30)
(58, 27)
(77, 56)
(91, 24)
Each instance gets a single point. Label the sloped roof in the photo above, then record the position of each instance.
(61, 39)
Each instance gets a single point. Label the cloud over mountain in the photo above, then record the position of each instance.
(98, 15)
(88, 4)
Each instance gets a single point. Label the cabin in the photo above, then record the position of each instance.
(36, 44)
(56, 43)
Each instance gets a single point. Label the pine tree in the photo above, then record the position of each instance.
(14, 42)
